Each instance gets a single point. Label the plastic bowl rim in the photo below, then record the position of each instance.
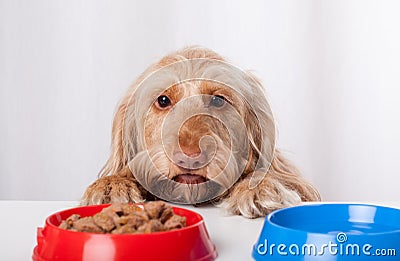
(316, 204)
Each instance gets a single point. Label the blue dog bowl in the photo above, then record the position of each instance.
(331, 232)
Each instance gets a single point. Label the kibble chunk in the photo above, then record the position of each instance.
(86, 224)
(154, 209)
(125, 229)
(153, 225)
(131, 209)
(175, 222)
(134, 219)
(104, 221)
(166, 214)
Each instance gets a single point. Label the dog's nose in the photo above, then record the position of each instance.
(194, 161)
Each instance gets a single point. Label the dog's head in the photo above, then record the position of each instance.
(191, 126)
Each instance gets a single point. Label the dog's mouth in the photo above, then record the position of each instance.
(189, 179)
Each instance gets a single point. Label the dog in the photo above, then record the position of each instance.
(194, 129)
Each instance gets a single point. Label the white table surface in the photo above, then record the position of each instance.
(233, 236)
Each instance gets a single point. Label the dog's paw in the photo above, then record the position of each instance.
(112, 189)
(259, 201)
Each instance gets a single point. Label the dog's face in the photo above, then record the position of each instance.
(194, 128)
(192, 125)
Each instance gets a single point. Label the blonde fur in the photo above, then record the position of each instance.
(261, 179)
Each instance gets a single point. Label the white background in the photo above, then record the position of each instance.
(331, 69)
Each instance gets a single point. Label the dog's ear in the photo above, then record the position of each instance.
(124, 138)
(260, 129)
(122, 149)
(289, 176)
(264, 158)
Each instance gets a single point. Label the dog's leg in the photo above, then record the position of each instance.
(269, 195)
(281, 187)
(116, 188)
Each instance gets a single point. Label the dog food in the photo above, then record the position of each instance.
(125, 218)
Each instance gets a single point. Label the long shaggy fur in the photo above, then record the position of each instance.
(143, 145)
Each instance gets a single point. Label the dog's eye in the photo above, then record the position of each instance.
(163, 101)
(217, 101)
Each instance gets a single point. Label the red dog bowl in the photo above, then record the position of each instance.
(189, 243)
